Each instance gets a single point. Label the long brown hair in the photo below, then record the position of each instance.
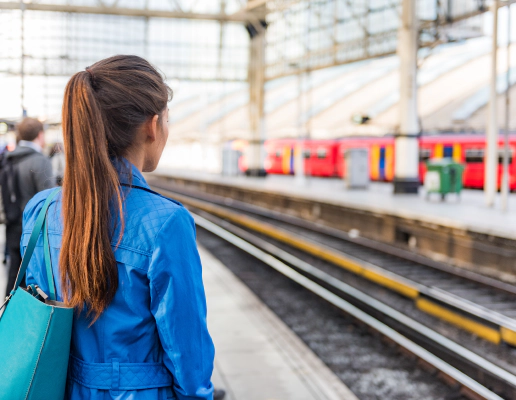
(103, 108)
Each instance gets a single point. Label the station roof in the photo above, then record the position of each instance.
(453, 96)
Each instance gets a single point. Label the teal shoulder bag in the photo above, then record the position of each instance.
(35, 332)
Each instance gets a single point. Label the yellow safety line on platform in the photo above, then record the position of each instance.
(481, 330)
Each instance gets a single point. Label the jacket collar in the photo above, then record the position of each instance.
(32, 145)
(134, 178)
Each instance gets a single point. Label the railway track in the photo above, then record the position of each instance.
(477, 377)
(460, 366)
(470, 301)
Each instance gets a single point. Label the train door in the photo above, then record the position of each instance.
(321, 154)
(474, 171)
(275, 157)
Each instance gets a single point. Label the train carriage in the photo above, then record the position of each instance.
(325, 158)
(321, 157)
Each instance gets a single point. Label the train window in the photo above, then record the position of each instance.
(477, 155)
(474, 155)
(322, 152)
(424, 154)
(501, 153)
(278, 154)
(307, 153)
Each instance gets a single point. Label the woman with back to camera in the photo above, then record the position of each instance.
(125, 256)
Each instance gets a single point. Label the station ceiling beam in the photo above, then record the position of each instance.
(356, 32)
(127, 12)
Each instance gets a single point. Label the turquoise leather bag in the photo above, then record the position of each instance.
(35, 332)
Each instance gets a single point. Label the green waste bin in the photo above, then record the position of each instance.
(443, 175)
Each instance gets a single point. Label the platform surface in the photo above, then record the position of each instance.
(469, 212)
(257, 356)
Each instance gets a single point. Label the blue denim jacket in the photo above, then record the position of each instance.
(152, 341)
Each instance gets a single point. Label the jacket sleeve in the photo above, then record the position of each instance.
(178, 304)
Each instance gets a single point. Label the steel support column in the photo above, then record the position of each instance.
(299, 159)
(255, 154)
(506, 173)
(406, 166)
(491, 159)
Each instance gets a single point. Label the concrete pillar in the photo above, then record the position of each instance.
(491, 156)
(406, 163)
(255, 154)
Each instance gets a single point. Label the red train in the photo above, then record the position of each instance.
(326, 157)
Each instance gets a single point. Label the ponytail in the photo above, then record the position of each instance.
(88, 265)
(103, 108)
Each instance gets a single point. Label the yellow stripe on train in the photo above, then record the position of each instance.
(375, 162)
(287, 150)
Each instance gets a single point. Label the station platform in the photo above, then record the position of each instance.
(461, 231)
(257, 356)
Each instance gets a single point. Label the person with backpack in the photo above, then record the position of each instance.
(123, 256)
(25, 172)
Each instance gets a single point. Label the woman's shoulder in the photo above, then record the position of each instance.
(150, 212)
(151, 204)
(31, 211)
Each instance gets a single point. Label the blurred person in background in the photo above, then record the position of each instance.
(25, 172)
(57, 159)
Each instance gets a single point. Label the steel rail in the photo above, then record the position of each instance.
(464, 314)
(473, 389)
(338, 234)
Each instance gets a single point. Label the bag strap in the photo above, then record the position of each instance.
(40, 221)
(48, 263)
